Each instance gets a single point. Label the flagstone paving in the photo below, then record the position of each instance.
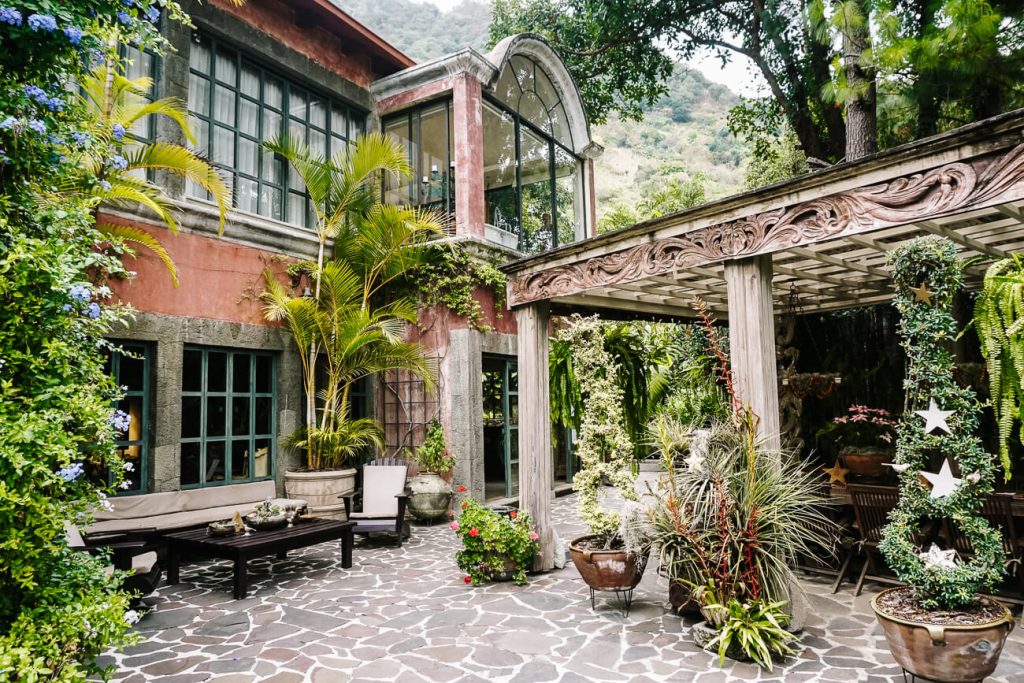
(405, 614)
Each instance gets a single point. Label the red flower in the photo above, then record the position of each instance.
(468, 579)
(461, 489)
(465, 505)
(474, 532)
(513, 514)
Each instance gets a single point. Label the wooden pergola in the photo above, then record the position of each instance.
(824, 237)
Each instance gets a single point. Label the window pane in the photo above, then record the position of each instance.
(535, 174)
(192, 370)
(507, 88)
(249, 83)
(201, 132)
(240, 459)
(318, 112)
(223, 146)
(140, 64)
(216, 416)
(544, 89)
(249, 117)
(214, 461)
(190, 464)
(240, 416)
(198, 95)
(296, 131)
(216, 372)
(264, 372)
(271, 125)
(318, 143)
(338, 121)
(296, 209)
(524, 69)
(533, 110)
(261, 458)
(248, 159)
(272, 92)
(398, 190)
(199, 53)
(263, 415)
(224, 105)
(500, 196)
(191, 417)
(560, 126)
(270, 202)
(225, 67)
(435, 183)
(240, 373)
(568, 197)
(247, 196)
(273, 168)
(297, 103)
(132, 370)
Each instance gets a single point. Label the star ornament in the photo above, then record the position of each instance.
(934, 418)
(943, 483)
(921, 293)
(836, 474)
(695, 461)
(937, 558)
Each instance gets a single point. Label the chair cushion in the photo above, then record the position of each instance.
(232, 494)
(183, 519)
(141, 564)
(381, 483)
(146, 505)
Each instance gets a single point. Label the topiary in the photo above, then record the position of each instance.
(928, 275)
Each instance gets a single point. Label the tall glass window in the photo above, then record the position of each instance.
(130, 369)
(228, 416)
(533, 186)
(235, 105)
(426, 134)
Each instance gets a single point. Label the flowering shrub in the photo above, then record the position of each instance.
(861, 427)
(433, 455)
(493, 543)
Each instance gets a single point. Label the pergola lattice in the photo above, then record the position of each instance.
(824, 236)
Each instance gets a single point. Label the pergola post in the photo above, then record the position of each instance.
(752, 341)
(535, 475)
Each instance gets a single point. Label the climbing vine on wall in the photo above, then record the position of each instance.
(450, 277)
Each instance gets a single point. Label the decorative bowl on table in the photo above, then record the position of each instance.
(225, 527)
(267, 522)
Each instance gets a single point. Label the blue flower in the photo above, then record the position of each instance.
(42, 22)
(153, 15)
(71, 472)
(9, 15)
(128, 3)
(105, 184)
(81, 137)
(120, 421)
(74, 34)
(118, 131)
(37, 125)
(93, 310)
(119, 162)
(80, 293)
(124, 17)
(34, 92)
(8, 123)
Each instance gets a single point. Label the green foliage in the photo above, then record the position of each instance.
(779, 159)
(861, 427)
(450, 277)
(493, 543)
(998, 319)
(926, 331)
(432, 455)
(353, 323)
(756, 628)
(59, 610)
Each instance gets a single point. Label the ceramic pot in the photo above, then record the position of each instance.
(950, 654)
(867, 463)
(320, 489)
(430, 497)
(608, 570)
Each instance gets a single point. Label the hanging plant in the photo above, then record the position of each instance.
(450, 277)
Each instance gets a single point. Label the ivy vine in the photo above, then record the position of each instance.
(451, 275)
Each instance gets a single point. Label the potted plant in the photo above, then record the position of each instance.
(937, 626)
(495, 546)
(605, 452)
(431, 494)
(864, 437)
(349, 324)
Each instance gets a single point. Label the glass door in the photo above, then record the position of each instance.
(501, 426)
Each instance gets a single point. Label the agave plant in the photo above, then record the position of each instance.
(352, 323)
(117, 104)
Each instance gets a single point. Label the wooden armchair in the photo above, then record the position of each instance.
(384, 499)
(128, 554)
(871, 508)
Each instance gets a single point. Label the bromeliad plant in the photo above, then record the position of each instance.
(756, 629)
(493, 543)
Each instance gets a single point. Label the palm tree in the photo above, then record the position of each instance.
(117, 104)
(353, 322)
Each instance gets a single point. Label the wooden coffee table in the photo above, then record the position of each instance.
(240, 548)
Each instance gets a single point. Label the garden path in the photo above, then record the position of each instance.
(404, 614)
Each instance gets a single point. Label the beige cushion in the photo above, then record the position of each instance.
(232, 494)
(183, 519)
(146, 505)
(141, 564)
(73, 536)
(381, 483)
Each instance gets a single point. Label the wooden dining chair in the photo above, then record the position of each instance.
(998, 512)
(871, 508)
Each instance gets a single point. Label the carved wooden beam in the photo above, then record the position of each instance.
(957, 187)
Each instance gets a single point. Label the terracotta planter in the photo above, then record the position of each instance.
(951, 654)
(320, 489)
(430, 496)
(608, 570)
(867, 463)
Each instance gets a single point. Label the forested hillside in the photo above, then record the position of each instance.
(680, 137)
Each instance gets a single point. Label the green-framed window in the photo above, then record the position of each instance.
(427, 133)
(141, 64)
(228, 416)
(130, 368)
(235, 105)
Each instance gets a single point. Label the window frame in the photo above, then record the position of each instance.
(414, 116)
(355, 124)
(143, 443)
(229, 395)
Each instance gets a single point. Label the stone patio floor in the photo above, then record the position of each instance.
(405, 614)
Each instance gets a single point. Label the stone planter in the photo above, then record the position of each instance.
(608, 570)
(867, 462)
(320, 489)
(430, 497)
(951, 653)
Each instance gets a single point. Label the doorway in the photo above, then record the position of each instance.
(501, 426)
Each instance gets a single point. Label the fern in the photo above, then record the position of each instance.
(999, 322)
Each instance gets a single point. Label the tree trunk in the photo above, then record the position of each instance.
(861, 116)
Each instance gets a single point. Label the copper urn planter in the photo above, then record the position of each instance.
(947, 653)
(608, 570)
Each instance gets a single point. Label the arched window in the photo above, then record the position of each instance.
(533, 185)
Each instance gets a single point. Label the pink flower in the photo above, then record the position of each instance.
(454, 525)
(474, 532)
(534, 536)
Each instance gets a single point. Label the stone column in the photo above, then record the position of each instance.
(535, 476)
(467, 111)
(752, 341)
(462, 396)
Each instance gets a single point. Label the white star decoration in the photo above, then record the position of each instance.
(899, 468)
(934, 418)
(943, 483)
(694, 461)
(939, 558)
(973, 477)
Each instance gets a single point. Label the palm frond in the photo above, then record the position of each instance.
(131, 234)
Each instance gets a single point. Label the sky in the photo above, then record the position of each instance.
(736, 75)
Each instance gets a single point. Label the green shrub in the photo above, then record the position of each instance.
(432, 455)
(493, 543)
